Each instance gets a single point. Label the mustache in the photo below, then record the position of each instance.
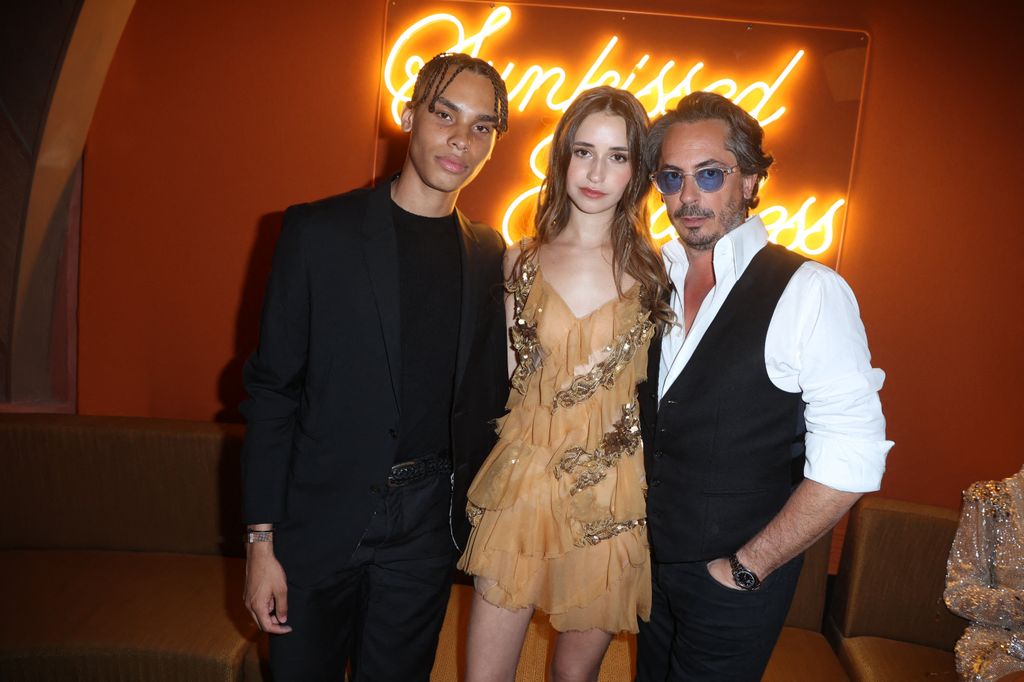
(693, 211)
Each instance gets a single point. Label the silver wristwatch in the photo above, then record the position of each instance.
(252, 536)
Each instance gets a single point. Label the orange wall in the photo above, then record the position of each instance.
(214, 118)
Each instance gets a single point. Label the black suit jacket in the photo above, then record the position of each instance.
(324, 383)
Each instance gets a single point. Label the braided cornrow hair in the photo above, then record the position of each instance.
(437, 74)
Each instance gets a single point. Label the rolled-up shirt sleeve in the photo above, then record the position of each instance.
(817, 346)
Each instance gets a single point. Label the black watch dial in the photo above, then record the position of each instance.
(745, 579)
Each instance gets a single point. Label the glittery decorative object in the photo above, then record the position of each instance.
(473, 513)
(591, 468)
(985, 579)
(603, 373)
(523, 334)
(598, 531)
(1016, 647)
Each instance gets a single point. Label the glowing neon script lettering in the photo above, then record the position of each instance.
(536, 77)
(814, 239)
(471, 45)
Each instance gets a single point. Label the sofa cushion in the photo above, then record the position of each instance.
(86, 615)
(876, 659)
(803, 656)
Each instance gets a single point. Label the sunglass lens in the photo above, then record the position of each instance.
(709, 179)
(669, 181)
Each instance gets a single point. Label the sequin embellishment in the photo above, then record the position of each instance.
(985, 579)
(603, 373)
(992, 496)
(523, 333)
(473, 513)
(593, 467)
(597, 531)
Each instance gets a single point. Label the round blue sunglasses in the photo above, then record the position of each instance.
(670, 181)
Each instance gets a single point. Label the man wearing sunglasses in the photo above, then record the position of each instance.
(761, 419)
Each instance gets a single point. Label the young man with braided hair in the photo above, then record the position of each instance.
(380, 367)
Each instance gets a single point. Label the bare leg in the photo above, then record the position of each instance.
(578, 655)
(495, 638)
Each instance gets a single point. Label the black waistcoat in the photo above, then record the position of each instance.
(725, 446)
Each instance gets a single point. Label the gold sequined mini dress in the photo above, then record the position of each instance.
(558, 509)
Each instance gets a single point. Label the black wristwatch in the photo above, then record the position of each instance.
(744, 578)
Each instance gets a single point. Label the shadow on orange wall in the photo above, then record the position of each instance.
(230, 389)
(247, 322)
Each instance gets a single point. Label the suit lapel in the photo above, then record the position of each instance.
(380, 250)
(654, 364)
(469, 247)
(648, 396)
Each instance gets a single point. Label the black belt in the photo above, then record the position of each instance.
(418, 469)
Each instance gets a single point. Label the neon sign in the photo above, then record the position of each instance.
(536, 76)
(545, 87)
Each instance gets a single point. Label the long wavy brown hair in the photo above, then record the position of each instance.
(633, 250)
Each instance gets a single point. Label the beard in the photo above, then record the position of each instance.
(731, 216)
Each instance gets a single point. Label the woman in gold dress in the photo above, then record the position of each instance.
(558, 506)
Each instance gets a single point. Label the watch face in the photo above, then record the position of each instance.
(744, 579)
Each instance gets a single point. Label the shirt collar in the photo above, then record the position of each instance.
(733, 252)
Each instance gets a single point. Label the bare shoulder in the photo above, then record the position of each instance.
(512, 254)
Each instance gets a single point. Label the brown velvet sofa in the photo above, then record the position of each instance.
(119, 551)
(887, 620)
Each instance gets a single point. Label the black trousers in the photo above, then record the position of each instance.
(384, 611)
(703, 630)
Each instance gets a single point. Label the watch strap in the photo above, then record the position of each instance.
(253, 536)
(744, 578)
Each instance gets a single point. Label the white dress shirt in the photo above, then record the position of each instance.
(816, 346)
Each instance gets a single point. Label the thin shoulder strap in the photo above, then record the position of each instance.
(520, 284)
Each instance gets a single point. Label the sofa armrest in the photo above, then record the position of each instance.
(892, 574)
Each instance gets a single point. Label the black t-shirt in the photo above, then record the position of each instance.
(430, 290)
